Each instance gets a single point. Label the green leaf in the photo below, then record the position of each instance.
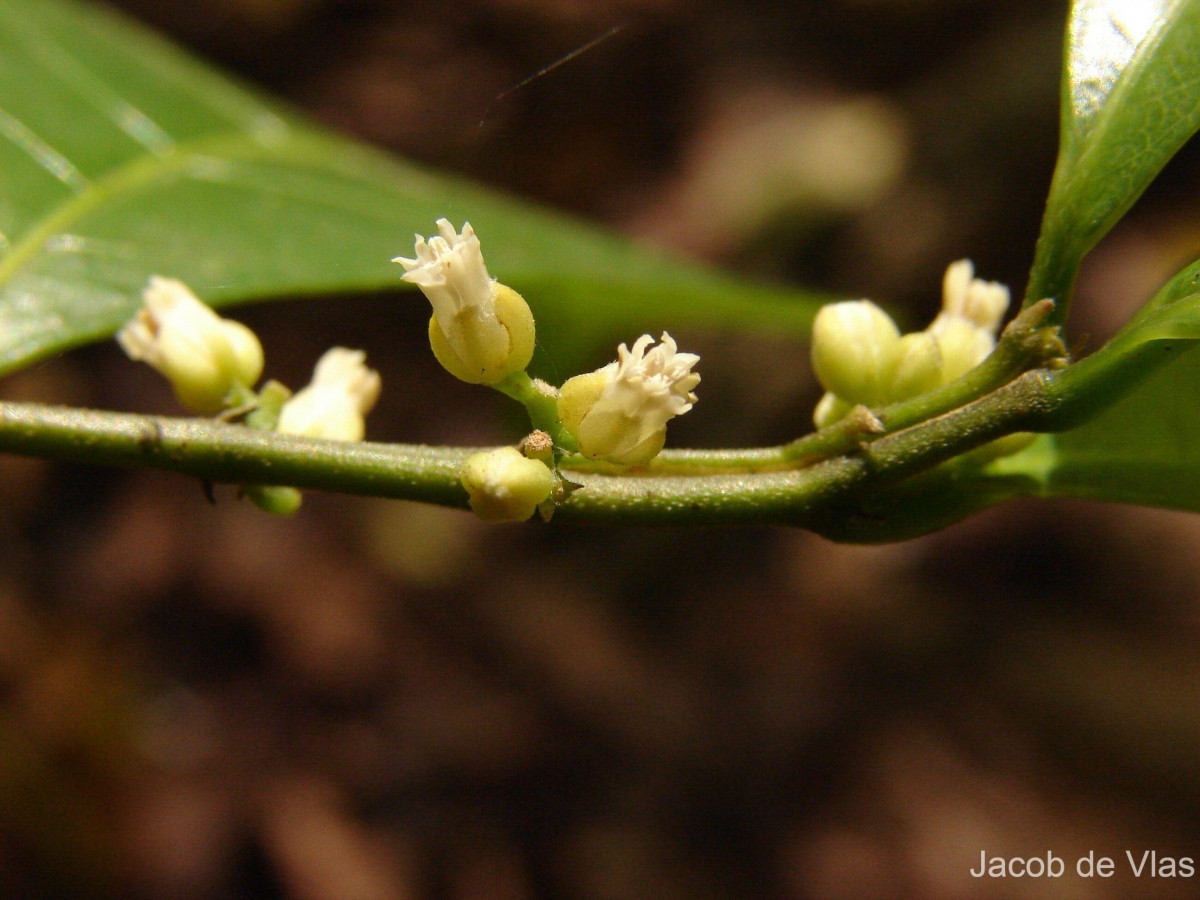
(122, 157)
(1130, 100)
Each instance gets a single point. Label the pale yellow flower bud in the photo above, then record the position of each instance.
(852, 347)
(481, 331)
(915, 366)
(963, 346)
(336, 402)
(966, 328)
(202, 355)
(504, 486)
(620, 412)
(983, 303)
(831, 408)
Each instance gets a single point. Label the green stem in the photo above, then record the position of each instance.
(823, 495)
(858, 494)
(233, 453)
(541, 404)
(230, 453)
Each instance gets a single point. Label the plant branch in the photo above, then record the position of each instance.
(229, 453)
(232, 453)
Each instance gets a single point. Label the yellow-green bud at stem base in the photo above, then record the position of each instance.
(963, 346)
(577, 396)
(505, 486)
(489, 364)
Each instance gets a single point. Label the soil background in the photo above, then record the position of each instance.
(385, 700)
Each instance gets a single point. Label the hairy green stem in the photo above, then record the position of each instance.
(822, 493)
(233, 453)
(230, 453)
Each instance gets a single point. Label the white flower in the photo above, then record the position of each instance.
(481, 331)
(449, 268)
(982, 303)
(202, 355)
(505, 486)
(620, 412)
(966, 328)
(334, 405)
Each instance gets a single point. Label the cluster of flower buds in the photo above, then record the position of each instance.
(213, 364)
(482, 332)
(861, 358)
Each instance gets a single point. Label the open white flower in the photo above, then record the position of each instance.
(202, 355)
(335, 403)
(620, 411)
(481, 331)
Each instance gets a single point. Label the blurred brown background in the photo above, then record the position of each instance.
(384, 700)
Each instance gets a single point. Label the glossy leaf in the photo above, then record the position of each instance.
(121, 157)
(1131, 98)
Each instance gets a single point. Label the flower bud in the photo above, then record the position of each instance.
(505, 486)
(538, 445)
(852, 347)
(481, 331)
(334, 405)
(831, 408)
(963, 346)
(620, 412)
(983, 303)
(202, 355)
(915, 366)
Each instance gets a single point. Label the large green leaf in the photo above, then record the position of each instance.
(120, 157)
(1131, 98)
